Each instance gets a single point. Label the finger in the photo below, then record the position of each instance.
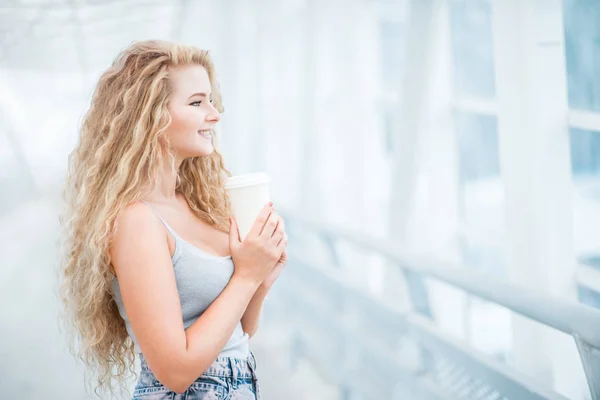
(270, 226)
(279, 232)
(284, 256)
(261, 219)
(282, 245)
(284, 238)
(234, 233)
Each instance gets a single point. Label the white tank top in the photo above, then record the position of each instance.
(200, 277)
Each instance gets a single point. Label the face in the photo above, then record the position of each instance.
(192, 112)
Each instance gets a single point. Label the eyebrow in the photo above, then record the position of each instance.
(202, 94)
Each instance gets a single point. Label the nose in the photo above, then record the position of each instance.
(213, 115)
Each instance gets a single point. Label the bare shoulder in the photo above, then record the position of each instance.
(137, 217)
(142, 262)
(138, 232)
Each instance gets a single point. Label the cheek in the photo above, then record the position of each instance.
(184, 121)
(184, 125)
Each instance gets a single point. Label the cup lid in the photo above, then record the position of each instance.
(256, 178)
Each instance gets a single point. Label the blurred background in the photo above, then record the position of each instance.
(437, 161)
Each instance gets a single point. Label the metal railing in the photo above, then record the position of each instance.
(371, 349)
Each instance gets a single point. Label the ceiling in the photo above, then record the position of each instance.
(79, 34)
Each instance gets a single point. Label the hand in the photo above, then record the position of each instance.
(257, 255)
(275, 272)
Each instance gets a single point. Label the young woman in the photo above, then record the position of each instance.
(154, 265)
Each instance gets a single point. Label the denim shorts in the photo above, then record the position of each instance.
(227, 378)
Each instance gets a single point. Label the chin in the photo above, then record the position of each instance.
(193, 153)
(204, 152)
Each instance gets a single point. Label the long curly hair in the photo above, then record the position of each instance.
(121, 151)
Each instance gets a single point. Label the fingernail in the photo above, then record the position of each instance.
(270, 203)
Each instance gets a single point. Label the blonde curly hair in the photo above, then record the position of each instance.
(121, 150)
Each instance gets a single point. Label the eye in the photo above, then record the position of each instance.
(196, 103)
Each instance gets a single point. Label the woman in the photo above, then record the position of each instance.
(153, 262)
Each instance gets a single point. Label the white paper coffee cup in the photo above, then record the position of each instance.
(248, 194)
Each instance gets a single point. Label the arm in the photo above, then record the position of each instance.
(142, 262)
(251, 317)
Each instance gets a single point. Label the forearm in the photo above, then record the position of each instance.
(207, 336)
(251, 318)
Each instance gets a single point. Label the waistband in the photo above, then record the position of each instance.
(223, 367)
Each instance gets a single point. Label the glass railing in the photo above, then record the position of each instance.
(375, 351)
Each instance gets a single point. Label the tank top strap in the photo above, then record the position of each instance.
(176, 238)
(171, 231)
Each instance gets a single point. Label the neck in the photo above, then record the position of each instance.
(164, 191)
